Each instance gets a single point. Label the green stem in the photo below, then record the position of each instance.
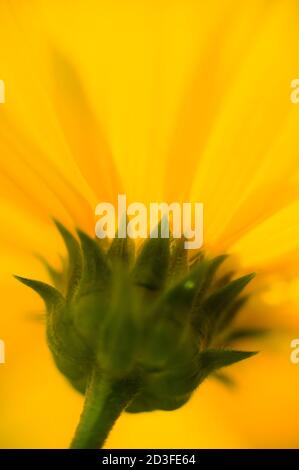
(104, 402)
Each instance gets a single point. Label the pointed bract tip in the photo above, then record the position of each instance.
(82, 235)
(61, 228)
(23, 280)
(49, 294)
(248, 277)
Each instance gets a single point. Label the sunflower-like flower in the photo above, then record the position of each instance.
(162, 101)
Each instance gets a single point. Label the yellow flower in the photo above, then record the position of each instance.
(165, 100)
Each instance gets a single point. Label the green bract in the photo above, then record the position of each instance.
(153, 323)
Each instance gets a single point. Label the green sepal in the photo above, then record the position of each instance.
(74, 258)
(51, 296)
(213, 265)
(214, 359)
(69, 353)
(170, 389)
(75, 370)
(72, 355)
(151, 267)
(179, 375)
(223, 297)
(122, 250)
(178, 266)
(209, 312)
(209, 268)
(88, 313)
(168, 319)
(95, 272)
(226, 317)
(91, 300)
(120, 332)
(187, 377)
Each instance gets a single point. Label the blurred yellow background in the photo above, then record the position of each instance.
(162, 100)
